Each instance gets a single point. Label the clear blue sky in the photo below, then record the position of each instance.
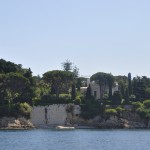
(96, 35)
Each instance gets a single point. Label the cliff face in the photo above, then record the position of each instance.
(13, 123)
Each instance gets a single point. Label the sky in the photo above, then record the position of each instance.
(96, 35)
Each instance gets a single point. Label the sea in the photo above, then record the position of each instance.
(78, 139)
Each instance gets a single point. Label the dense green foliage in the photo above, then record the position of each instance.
(142, 108)
(58, 79)
(19, 90)
(25, 109)
(50, 99)
(16, 110)
(147, 104)
(16, 86)
(141, 86)
(7, 67)
(117, 98)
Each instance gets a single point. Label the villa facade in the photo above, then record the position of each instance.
(95, 89)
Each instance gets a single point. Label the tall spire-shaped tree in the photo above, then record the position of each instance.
(73, 92)
(88, 92)
(129, 83)
(110, 80)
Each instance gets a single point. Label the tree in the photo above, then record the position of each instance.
(7, 66)
(122, 89)
(67, 65)
(58, 78)
(76, 71)
(110, 80)
(101, 79)
(88, 92)
(123, 84)
(41, 88)
(73, 92)
(127, 96)
(78, 83)
(15, 85)
(2, 89)
(129, 83)
(28, 73)
(116, 98)
(140, 87)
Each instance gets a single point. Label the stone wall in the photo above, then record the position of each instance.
(52, 114)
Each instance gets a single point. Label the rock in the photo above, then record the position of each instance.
(131, 116)
(115, 122)
(96, 119)
(12, 123)
(133, 124)
(112, 122)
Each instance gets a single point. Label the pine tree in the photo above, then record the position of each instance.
(67, 65)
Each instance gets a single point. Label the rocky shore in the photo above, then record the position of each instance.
(126, 120)
(15, 123)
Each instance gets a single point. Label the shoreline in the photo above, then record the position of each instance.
(70, 128)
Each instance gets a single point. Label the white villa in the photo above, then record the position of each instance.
(95, 89)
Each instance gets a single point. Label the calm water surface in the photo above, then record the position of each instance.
(80, 139)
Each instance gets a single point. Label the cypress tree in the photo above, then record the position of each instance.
(78, 84)
(88, 92)
(122, 90)
(127, 96)
(73, 92)
(129, 83)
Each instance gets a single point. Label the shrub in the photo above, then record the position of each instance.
(110, 112)
(137, 105)
(142, 112)
(51, 99)
(77, 101)
(120, 109)
(25, 109)
(64, 96)
(147, 103)
(107, 102)
(116, 98)
(90, 110)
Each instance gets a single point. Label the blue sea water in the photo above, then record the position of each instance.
(79, 139)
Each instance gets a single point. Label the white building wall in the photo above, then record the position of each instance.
(95, 87)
